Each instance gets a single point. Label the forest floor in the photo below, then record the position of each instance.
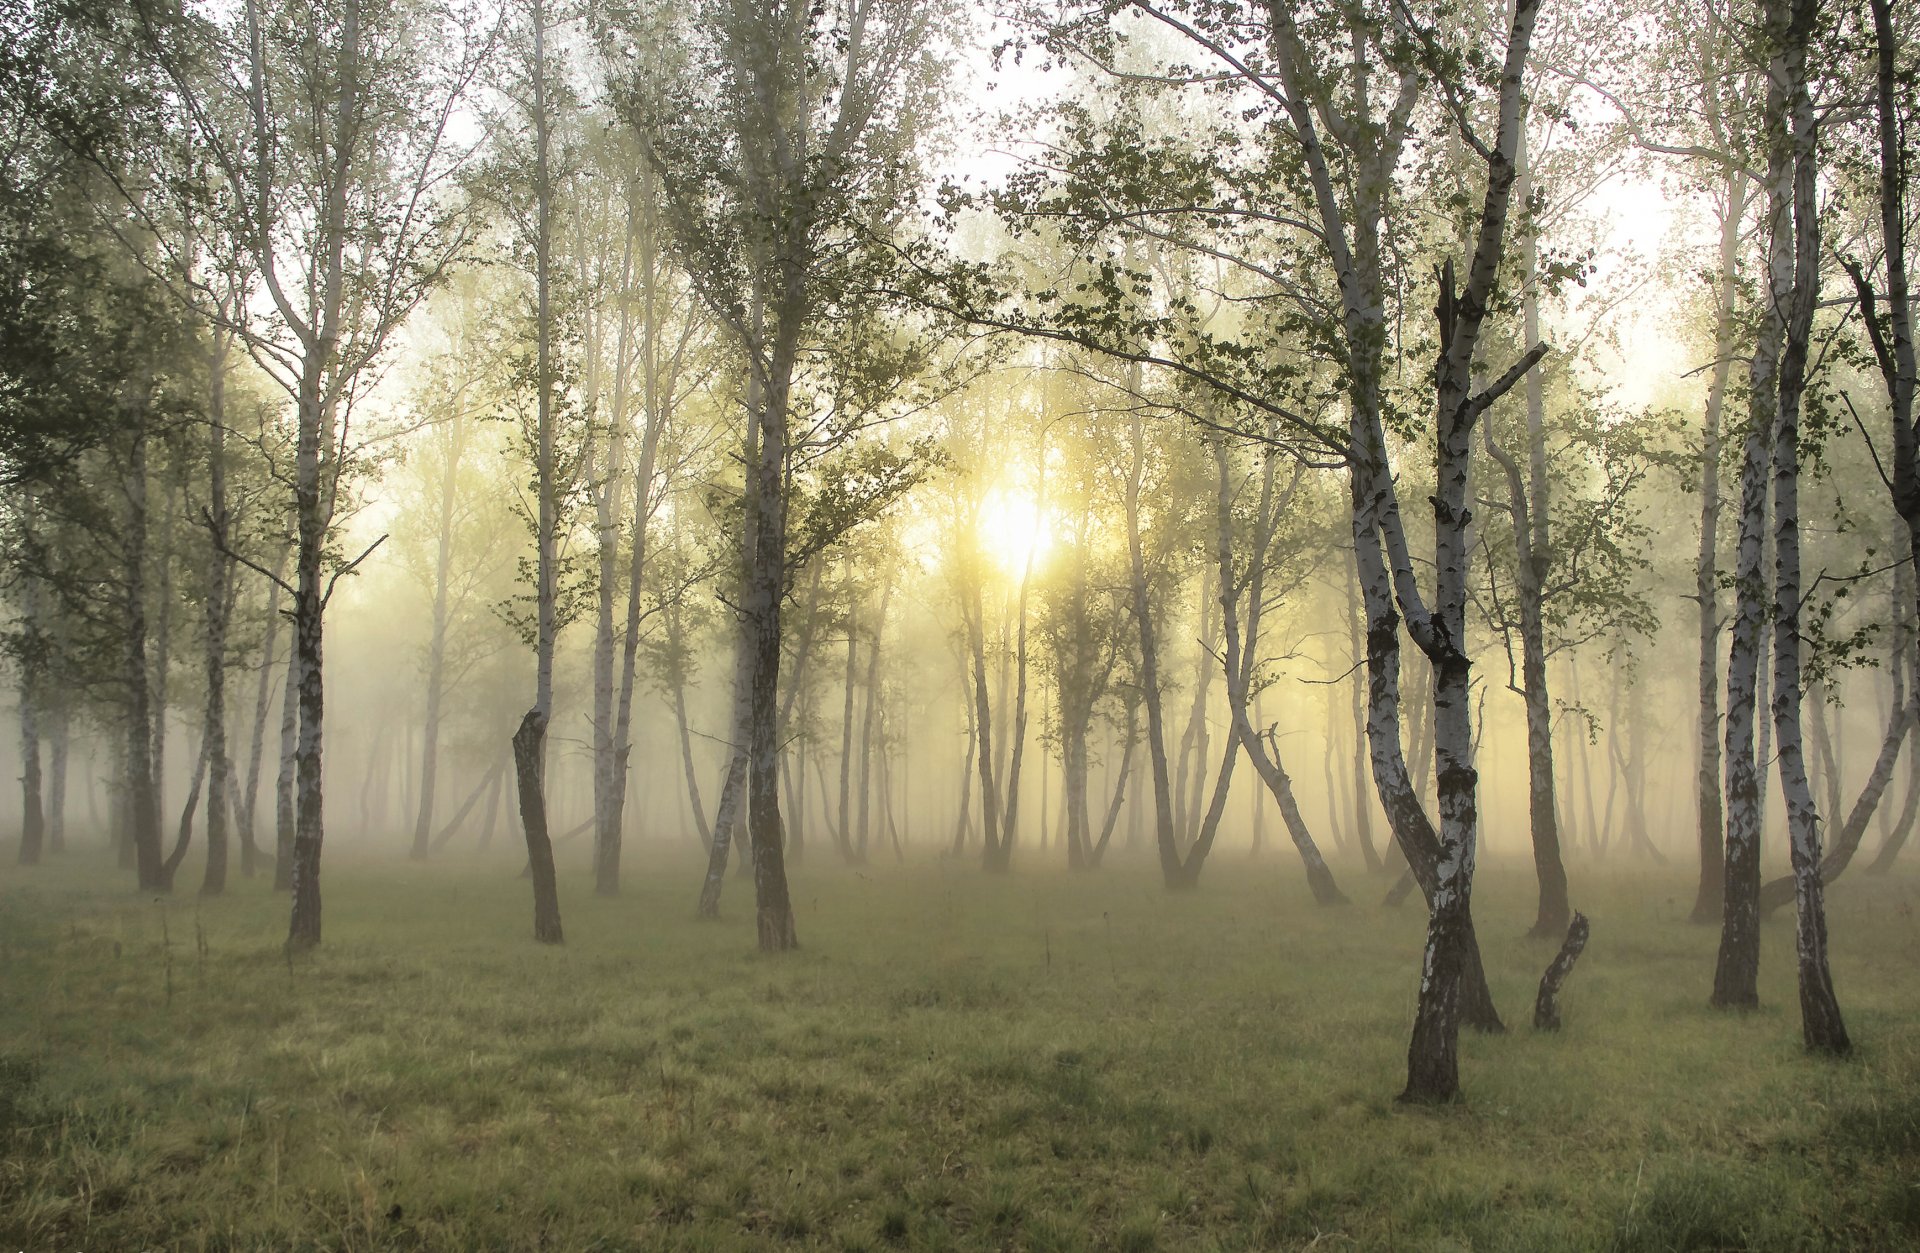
(1040, 1061)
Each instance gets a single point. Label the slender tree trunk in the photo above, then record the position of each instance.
(1821, 1023)
(966, 781)
(686, 762)
(59, 742)
(285, 813)
(1238, 667)
(1737, 970)
(33, 823)
(437, 642)
(530, 740)
(843, 836)
(990, 857)
(1131, 736)
(727, 813)
(218, 613)
(143, 804)
(869, 722)
(256, 741)
(656, 403)
(1362, 801)
(1010, 819)
(1171, 870)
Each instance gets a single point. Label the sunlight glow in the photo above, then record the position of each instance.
(1011, 529)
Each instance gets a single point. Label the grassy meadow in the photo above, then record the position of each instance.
(1041, 1061)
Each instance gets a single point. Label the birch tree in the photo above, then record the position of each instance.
(328, 128)
(785, 133)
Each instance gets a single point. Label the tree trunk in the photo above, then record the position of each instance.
(726, 814)
(285, 812)
(530, 740)
(1238, 663)
(766, 587)
(248, 808)
(1737, 969)
(990, 858)
(966, 783)
(529, 750)
(656, 397)
(1132, 736)
(32, 813)
(1172, 873)
(1821, 1023)
(218, 613)
(843, 836)
(437, 642)
(143, 805)
(184, 837)
(59, 741)
(490, 779)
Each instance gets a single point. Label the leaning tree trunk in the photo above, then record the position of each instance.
(1237, 665)
(726, 814)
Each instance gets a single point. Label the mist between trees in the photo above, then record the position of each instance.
(566, 429)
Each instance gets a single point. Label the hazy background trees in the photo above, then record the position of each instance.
(853, 470)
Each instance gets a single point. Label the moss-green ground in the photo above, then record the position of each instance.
(1040, 1061)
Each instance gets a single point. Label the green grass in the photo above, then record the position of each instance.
(951, 1061)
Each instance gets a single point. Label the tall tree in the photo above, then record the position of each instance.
(784, 137)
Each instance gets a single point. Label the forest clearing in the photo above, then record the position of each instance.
(1061, 1062)
(1076, 624)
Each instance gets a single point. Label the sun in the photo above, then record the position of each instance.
(1013, 531)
